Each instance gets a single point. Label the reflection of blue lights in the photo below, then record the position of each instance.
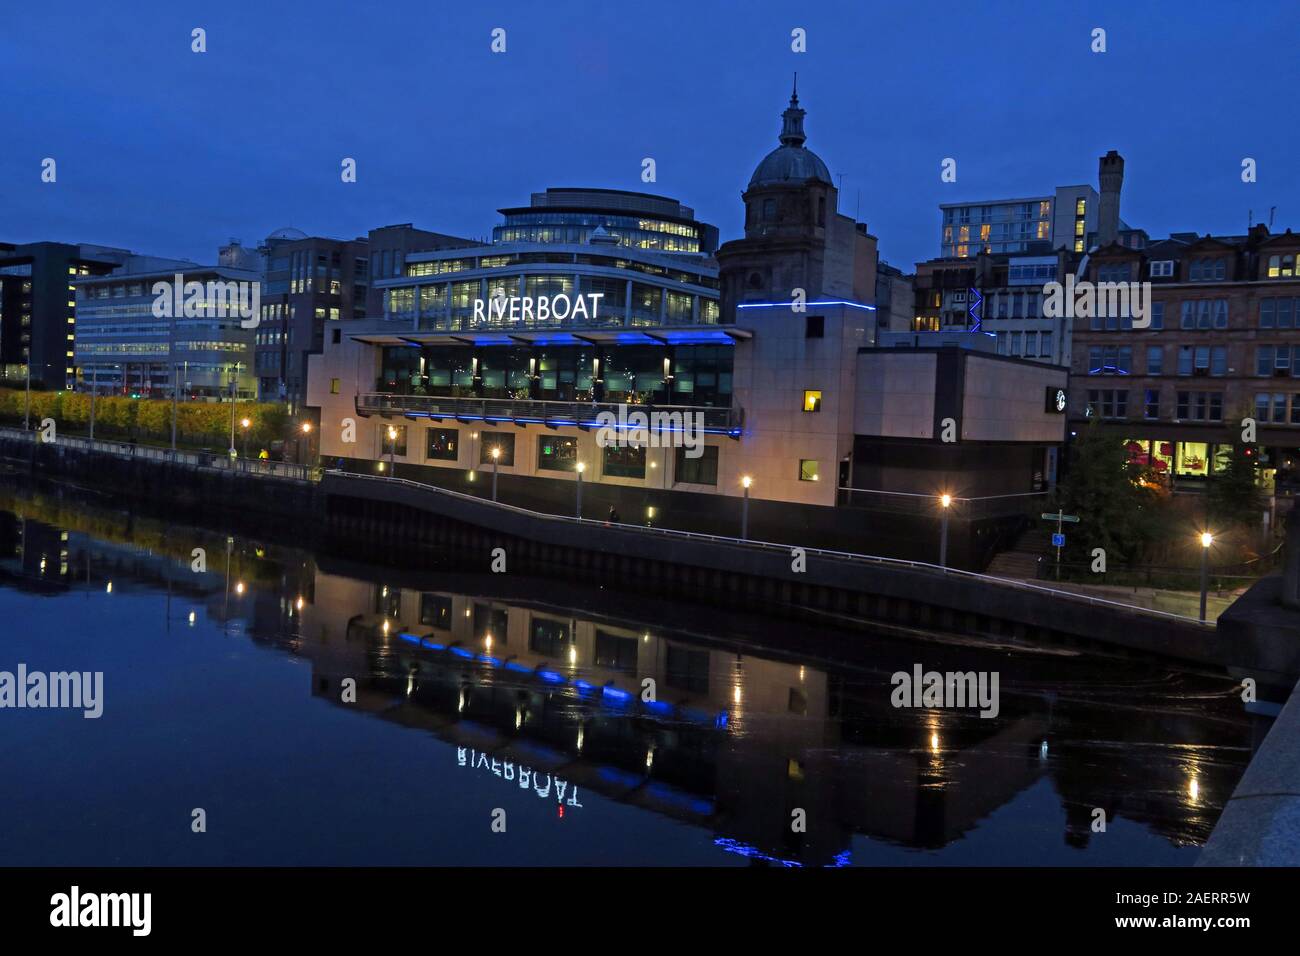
(616, 695)
(842, 859)
(551, 677)
(409, 638)
(619, 777)
(518, 668)
(584, 687)
(487, 659)
(462, 652)
(671, 795)
(433, 645)
(735, 846)
(658, 707)
(721, 722)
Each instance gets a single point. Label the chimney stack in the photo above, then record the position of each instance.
(1110, 176)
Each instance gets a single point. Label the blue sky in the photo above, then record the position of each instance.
(169, 152)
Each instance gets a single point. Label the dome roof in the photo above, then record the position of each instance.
(288, 232)
(791, 162)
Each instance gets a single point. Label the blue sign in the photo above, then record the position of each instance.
(1058, 541)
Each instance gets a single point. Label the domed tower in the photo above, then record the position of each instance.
(790, 218)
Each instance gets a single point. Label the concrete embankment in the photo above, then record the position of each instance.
(400, 514)
(1260, 825)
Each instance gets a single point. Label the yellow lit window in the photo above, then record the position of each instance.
(984, 232)
(963, 234)
(72, 270)
(807, 469)
(1042, 229)
(334, 386)
(812, 400)
(1078, 227)
(1081, 207)
(1078, 245)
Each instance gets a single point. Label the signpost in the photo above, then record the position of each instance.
(1058, 539)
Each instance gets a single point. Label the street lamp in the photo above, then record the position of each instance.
(946, 501)
(1207, 539)
(233, 379)
(306, 433)
(244, 423)
(496, 456)
(392, 450)
(744, 509)
(577, 511)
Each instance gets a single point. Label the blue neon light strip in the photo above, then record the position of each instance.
(974, 314)
(787, 305)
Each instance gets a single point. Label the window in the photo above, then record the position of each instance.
(1281, 267)
(492, 622)
(697, 471)
(1200, 406)
(615, 653)
(557, 454)
(1204, 314)
(334, 386)
(1277, 313)
(1045, 345)
(443, 444)
(1157, 315)
(814, 327)
(1114, 272)
(1151, 403)
(503, 440)
(808, 470)
(435, 611)
(1110, 360)
(687, 669)
(1108, 403)
(548, 638)
(1207, 270)
(624, 461)
(1162, 268)
(336, 336)
(812, 400)
(1155, 360)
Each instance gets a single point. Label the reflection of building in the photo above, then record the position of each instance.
(773, 355)
(1223, 345)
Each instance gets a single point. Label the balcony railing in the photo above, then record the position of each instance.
(712, 420)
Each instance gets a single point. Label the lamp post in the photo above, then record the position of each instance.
(27, 402)
(306, 436)
(946, 501)
(744, 509)
(392, 450)
(176, 387)
(94, 387)
(577, 510)
(1207, 539)
(496, 456)
(233, 376)
(244, 423)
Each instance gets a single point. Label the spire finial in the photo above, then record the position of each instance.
(792, 133)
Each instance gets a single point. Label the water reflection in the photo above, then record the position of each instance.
(732, 726)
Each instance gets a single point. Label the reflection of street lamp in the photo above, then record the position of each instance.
(496, 456)
(1207, 539)
(946, 501)
(577, 511)
(744, 509)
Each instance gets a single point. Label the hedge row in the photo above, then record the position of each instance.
(116, 416)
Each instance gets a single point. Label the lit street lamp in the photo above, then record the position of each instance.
(1207, 539)
(496, 455)
(244, 423)
(946, 501)
(577, 510)
(392, 451)
(744, 509)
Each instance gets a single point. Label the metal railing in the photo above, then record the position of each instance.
(909, 503)
(193, 459)
(771, 546)
(531, 411)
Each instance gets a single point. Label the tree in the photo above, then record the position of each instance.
(1106, 490)
(1233, 496)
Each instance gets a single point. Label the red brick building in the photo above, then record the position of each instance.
(1223, 345)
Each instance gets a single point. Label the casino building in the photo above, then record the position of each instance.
(770, 354)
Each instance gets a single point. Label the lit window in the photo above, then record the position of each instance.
(808, 470)
(812, 400)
